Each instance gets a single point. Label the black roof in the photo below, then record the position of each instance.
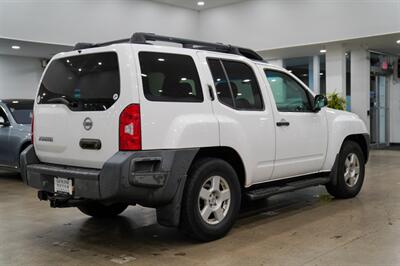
(144, 38)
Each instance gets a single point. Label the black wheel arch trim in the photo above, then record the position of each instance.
(365, 148)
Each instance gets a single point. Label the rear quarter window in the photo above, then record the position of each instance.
(170, 77)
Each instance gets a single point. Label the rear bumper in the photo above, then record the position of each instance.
(148, 178)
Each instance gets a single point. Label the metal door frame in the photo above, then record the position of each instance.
(375, 113)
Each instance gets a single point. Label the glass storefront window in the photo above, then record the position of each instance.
(348, 81)
(301, 67)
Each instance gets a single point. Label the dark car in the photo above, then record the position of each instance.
(15, 131)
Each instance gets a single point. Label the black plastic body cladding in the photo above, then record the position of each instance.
(149, 178)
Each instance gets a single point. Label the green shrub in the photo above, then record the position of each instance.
(335, 101)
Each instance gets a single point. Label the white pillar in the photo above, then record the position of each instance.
(276, 62)
(360, 83)
(310, 73)
(316, 76)
(336, 70)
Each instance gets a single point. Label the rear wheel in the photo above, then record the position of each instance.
(99, 210)
(211, 201)
(350, 172)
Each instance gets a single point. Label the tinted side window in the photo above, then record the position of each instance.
(221, 83)
(289, 95)
(22, 111)
(244, 86)
(238, 88)
(2, 114)
(170, 77)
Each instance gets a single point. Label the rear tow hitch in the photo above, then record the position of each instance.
(59, 200)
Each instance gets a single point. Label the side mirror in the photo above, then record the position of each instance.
(320, 101)
(3, 122)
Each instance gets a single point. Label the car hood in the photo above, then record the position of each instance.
(336, 112)
(346, 118)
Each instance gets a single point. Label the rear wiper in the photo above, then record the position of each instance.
(63, 101)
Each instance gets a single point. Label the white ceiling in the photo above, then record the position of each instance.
(385, 43)
(31, 49)
(192, 4)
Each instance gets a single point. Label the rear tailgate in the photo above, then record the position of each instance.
(77, 108)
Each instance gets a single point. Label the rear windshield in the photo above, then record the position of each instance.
(84, 83)
(21, 111)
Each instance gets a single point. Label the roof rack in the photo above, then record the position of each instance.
(144, 38)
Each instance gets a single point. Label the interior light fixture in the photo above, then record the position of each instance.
(161, 59)
(16, 47)
(322, 51)
(398, 41)
(200, 3)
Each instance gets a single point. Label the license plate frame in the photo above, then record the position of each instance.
(63, 185)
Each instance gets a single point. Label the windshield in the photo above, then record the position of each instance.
(84, 83)
(21, 111)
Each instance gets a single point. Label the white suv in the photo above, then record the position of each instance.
(190, 131)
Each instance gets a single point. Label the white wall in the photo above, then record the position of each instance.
(267, 24)
(19, 76)
(71, 21)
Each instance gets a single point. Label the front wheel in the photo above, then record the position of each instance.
(211, 200)
(99, 210)
(350, 172)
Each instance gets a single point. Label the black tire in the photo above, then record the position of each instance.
(341, 189)
(192, 222)
(99, 210)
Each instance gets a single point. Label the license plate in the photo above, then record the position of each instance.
(63, 185)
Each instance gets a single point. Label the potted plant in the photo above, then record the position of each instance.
(336, 101)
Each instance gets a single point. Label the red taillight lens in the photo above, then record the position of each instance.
(130, 133)
(32, 128)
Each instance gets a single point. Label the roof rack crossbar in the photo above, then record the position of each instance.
(144, 38)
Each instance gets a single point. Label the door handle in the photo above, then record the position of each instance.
(283, 123)
(210, 91)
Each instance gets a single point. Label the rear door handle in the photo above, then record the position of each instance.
(210, 90)
(283, 123)
(90, 144)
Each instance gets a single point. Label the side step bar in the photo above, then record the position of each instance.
(261, 193)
